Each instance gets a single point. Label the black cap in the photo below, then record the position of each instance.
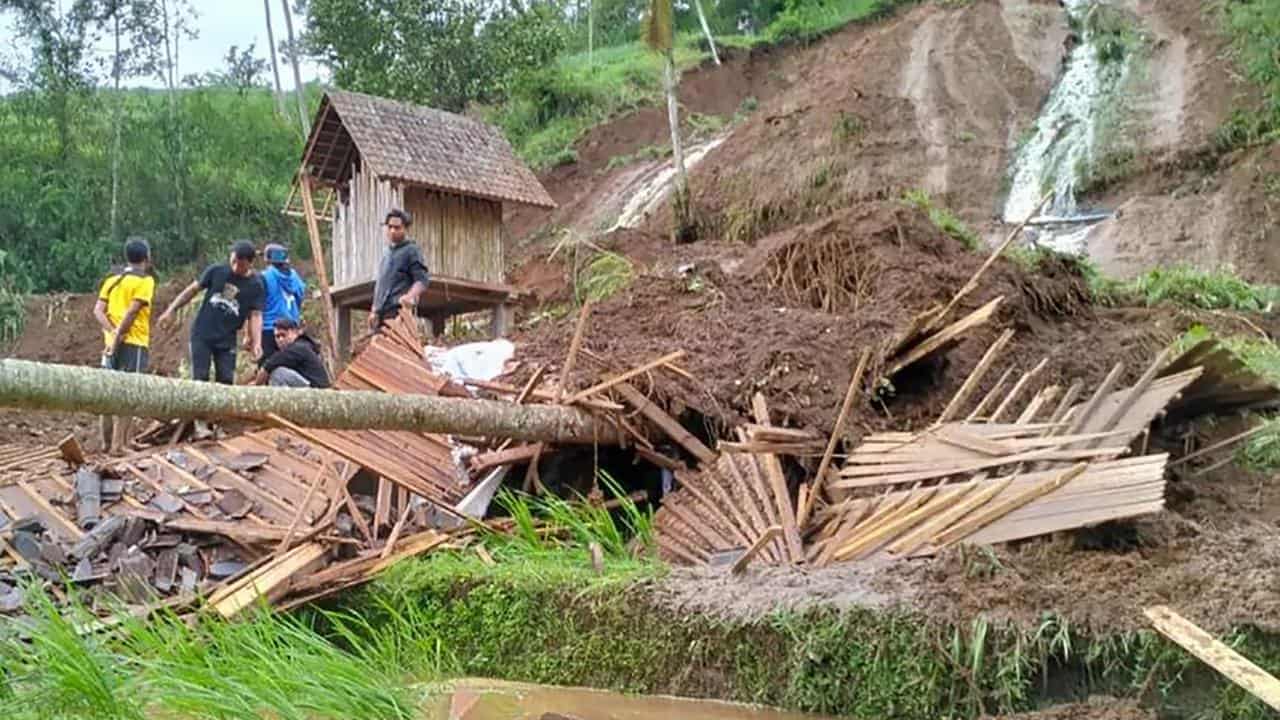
(244, 250)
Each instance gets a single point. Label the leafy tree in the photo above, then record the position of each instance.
(443, 53)
(242, 71)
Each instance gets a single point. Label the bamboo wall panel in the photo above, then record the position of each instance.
(459, 236)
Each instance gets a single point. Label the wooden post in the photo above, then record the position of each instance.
(317, 255)
(500, 321)
(344, 333)
(438, 325)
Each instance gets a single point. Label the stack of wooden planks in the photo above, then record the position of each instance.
(1026, 459)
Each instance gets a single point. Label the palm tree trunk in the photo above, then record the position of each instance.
(297, 73)
(706, 30)
(68, 388)
(275, 64)
(117, 120)
(682, 225)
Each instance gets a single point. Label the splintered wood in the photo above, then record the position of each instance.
(1027, 461)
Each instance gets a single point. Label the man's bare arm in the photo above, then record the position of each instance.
(100, 313)
(181, 301)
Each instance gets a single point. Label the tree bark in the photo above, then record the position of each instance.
(706, 30)
(297, 73)
(67, 388)
(680, 197)
(275, 64)
(117, 119)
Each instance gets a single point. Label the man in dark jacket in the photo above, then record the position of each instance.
(402, 275)
(297, 363)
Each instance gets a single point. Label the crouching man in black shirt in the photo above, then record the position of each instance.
(297, 363)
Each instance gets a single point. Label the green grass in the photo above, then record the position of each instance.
(1253, 26)
(807, 21)
(604, 275)
(1219, 289)
(550, 109)
(943, 219)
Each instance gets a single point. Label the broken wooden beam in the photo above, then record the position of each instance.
(1216, 655)
(666, 423)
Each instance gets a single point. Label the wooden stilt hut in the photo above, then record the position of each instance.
(451, 172)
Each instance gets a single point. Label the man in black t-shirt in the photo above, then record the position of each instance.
(402, 274)
(233, 298)
(297, 363)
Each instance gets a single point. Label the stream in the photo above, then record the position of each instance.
(1061, 144)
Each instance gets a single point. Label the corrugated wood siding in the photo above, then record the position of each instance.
(459, 236)
(358, 238)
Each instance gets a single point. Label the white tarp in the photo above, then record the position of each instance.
(473, 361)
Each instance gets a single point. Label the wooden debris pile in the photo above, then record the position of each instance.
(1027, 459)
(281, 513)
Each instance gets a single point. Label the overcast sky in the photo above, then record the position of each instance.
(221, 24)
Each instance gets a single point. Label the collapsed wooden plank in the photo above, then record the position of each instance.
(666, 423)
(944, 338)
(1216, 655)
(975, 377)
(271, 581)
(619, 379)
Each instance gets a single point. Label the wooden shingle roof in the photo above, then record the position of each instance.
(417, 145)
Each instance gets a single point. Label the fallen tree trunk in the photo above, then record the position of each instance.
(41, 386)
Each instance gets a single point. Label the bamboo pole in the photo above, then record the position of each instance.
(317, 254)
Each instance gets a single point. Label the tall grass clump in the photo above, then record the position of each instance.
(266, 665)
(550, 108)
(49, 670)
(1219, 289)
(606, 274)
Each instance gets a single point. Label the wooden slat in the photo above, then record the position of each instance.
(668, 424)
(947, 335)
(922, 534)
(998, 510)
(820, 477)
(993, 393)
(618, 379)
(778, 484)
(975, 377)
(1216, 655)
(1024, 381)
(761, 542)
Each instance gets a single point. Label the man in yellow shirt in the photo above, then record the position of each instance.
(123, 311)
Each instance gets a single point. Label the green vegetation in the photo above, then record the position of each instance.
(648, 152)
(847, 127)
(604, 275)
(1218, 289)
(1253, 26)
(943, 219)
(55, 201)
(1116, 33)
(547, 616)
(808, 20)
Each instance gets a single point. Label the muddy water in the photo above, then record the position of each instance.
(497, 700)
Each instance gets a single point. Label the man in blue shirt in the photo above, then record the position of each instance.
(285, 291)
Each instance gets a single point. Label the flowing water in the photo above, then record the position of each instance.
(650, 187)
(496, 700)
(1061, 145)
